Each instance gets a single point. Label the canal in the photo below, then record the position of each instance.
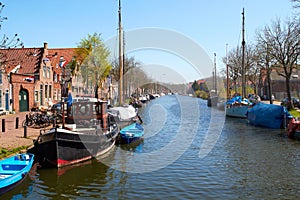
(190, 151)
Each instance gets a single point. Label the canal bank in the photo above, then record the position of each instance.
(245, 161)
(12, 133)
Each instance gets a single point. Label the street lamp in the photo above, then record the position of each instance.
(62, 83)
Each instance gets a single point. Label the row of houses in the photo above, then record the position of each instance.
(31, 77)
(278, 85)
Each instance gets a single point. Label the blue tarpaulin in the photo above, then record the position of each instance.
(238, 99)
(267, 115)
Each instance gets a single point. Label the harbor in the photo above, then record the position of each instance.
(246, 162)
(140, 110)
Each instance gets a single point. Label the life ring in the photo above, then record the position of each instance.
(97, 109)
(83, 110)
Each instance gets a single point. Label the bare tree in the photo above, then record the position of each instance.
(234, 60)
(283, 44)
(6, 42)
(252, 68)
(296, 3)
(264, 60)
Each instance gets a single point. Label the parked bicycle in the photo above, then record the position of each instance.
(37, 119)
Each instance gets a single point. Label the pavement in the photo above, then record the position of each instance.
(13, 137)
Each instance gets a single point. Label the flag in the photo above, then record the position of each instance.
(29, 79)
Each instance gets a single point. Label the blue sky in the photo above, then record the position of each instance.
(210, 23)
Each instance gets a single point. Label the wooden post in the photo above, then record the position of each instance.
(25, 131)
(17, 122)
(3, 125)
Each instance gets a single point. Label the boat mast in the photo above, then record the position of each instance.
(227, 74)
(120, 58)
(243, 55)
(215, 74)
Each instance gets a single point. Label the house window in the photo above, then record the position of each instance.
(50, 91)
(46, 92)
(0, 98)
(41, 94)
(55, 77)
(54, 95)
(59, 94)
(48, 72)
(44, 71)
(0, 76)
(36, 96)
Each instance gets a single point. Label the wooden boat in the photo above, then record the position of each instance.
(293, 130)
(13, 170)
(86, 134)
(268, 115)
(131, 133)
(124, 115)
(237, 107)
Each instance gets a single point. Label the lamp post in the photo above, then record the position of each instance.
(62, 83)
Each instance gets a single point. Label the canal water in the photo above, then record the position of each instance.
(190, 151)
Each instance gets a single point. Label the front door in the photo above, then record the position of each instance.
(6, 100)
(23, 100)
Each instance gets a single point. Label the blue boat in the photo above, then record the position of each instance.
(268, 115)
(131, 133)
(13, 170)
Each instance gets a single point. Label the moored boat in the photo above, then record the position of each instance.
(293, 130)
(85, 135)
(268, 115)
(131, 133)
(13, 170)
(237, 107)
(123, 115)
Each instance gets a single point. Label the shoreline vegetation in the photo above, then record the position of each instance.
(5, 152)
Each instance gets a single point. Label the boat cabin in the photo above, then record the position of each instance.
(88, 113)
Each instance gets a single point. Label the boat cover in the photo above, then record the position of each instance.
(238, 99)
(125, 113)
(267, 115)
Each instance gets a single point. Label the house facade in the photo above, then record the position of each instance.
(31, 77)
(278, 84)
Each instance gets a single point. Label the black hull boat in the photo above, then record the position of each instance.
(60, 147)
(85, 135)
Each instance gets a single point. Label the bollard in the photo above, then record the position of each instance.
(3, 125)
(25, 131)
(17, 122)
(54, 122)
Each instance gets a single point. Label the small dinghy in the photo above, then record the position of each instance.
(13, 170)
(131, 133)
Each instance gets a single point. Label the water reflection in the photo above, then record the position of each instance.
(247, 162)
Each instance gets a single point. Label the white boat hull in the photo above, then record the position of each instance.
(236, 111)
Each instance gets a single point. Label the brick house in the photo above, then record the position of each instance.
(279, 85)
(31, 77)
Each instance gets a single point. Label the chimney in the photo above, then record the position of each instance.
(45, 49)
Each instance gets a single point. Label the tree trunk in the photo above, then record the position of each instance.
(288, 90)
(269, 85)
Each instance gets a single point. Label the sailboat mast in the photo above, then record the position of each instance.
(227, 74)
(215, 74)
(243, 55)
(120, 91)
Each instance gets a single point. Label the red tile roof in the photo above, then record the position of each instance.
(55, 54)
(28, 58)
